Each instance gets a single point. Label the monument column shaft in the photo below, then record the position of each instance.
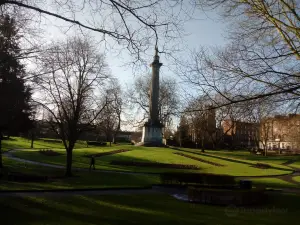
(152, 130)
(154, 92)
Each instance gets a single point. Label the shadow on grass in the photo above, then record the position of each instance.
(148, 209)
(249, 156)
(230, 159)
(86, 210)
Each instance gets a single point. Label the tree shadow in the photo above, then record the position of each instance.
(229, 159)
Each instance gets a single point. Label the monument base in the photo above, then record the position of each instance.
(152, 136)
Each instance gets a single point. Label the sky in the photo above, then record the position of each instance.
(207, 30)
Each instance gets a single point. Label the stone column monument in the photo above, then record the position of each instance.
(152, 130)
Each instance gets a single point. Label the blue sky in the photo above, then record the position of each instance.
(205, 31)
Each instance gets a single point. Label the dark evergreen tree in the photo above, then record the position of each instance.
(15, 110)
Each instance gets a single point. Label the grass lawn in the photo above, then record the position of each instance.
(146, 154)
(141, 209)
(22, 143)
(297, 179)
(245, 155)
(296, 164)
(273, 182)
(233, 165)
(80, 179)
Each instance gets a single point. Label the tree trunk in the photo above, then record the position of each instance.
(1, 165)
(69, 162)
(32, 139)
(265, 148)
(202, 145)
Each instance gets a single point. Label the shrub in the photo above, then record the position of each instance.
(49, 152)
(8, 138)
(198, 159)
(198, 178)
(262, 166)
(154, 164)
(96, 143)
(108, 153)
(52, 140)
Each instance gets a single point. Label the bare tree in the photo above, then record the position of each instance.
(109, 120)
(202, 123)
(139, 98)
(262, 59)
(182, 133)
(265, 133)
(74, 76)
(133, 25)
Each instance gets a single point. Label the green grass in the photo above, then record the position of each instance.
(297, 179)
(233, 166)
(23, 143)
(247, 159)
(141, 209)
(296, 164)
(79, 180)
(273, 182)
(147, 154)
(245, 155)
(235, 163)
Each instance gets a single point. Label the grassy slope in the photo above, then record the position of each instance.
(235, 164)
(141, 209)
(273, 182)
(245, 155)
(297, 179)
(80, 179)
(144, 154)
(22, 143)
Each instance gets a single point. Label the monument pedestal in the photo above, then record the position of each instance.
(152, 135)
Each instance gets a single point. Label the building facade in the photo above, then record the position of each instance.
(238, 134)
(202, 129)
(281, 132)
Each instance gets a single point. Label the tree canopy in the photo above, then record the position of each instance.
(15, 95)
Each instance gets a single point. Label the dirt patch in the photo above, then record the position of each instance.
(107, 153)
(198, 159)
(49, 152)
(154, 165)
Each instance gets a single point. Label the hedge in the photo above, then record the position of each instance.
(154, 164)
(108, 153)
(96, 143)
(198, 178)
(52, 140)
(198, 159)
